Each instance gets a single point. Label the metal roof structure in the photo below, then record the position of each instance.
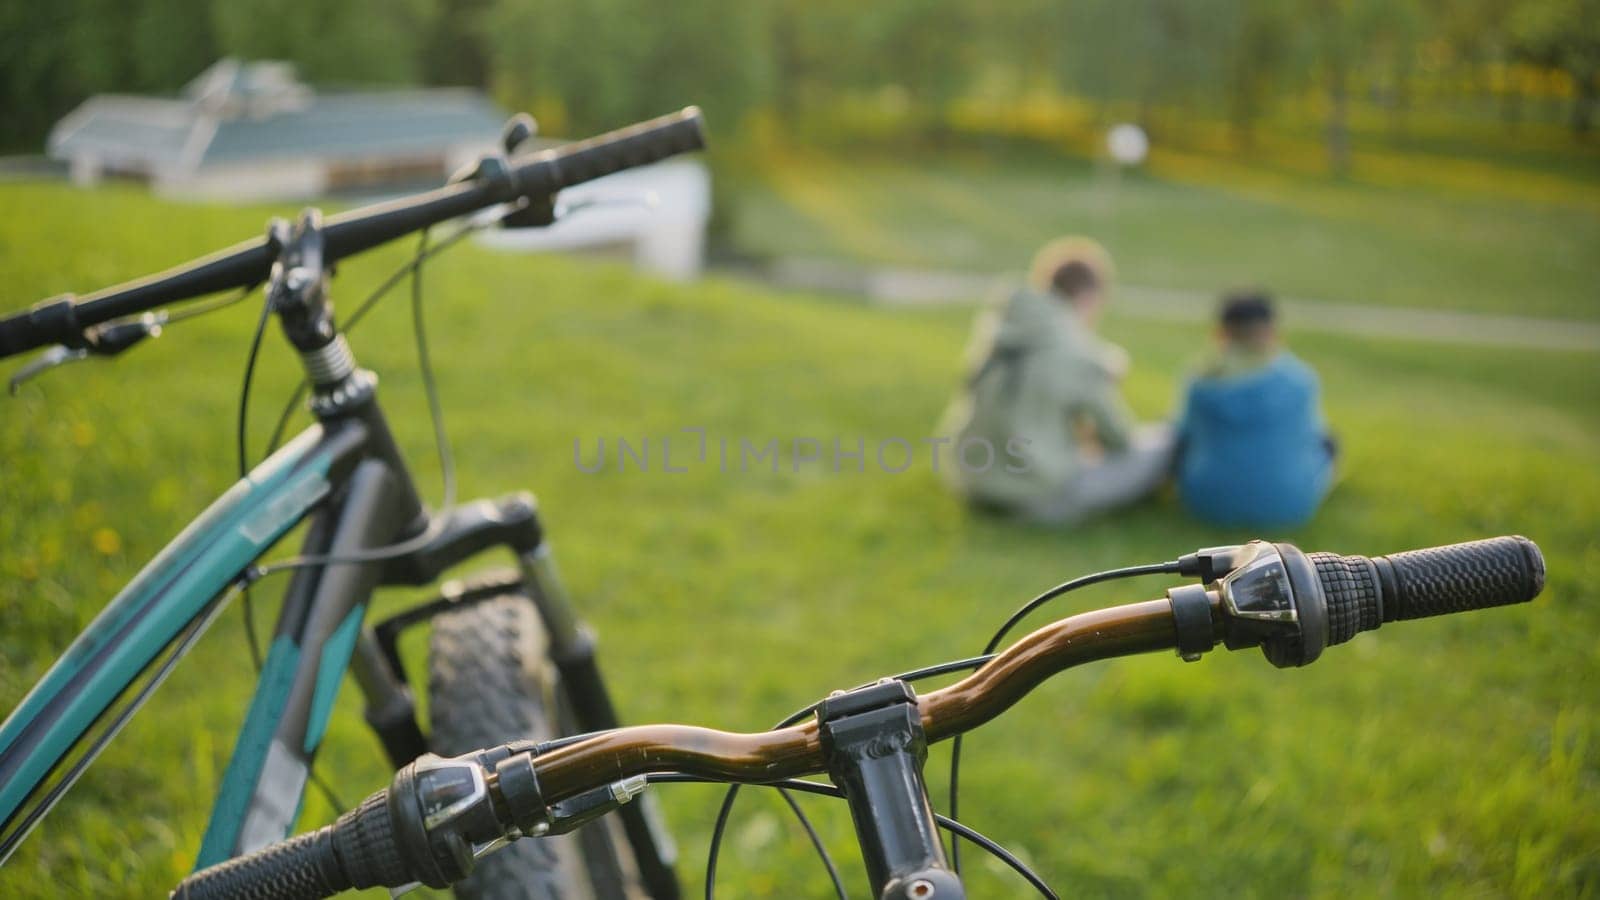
(238, 112)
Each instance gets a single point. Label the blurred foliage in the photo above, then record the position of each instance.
(586, 64)
(600, 63)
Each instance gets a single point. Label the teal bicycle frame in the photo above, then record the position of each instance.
(359, 497)
(367, 526)
(345, 477)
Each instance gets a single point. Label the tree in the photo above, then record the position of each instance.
(1345, 33)
(588, 64)
(456, 50)
(353, 41)
(1152, 53)
(1565, 35)
(1260, 47)
(58, 53)
(1395, 31)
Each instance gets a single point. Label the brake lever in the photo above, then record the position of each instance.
(106, 341)
(544, 213)
(59, 355)
(647, 199)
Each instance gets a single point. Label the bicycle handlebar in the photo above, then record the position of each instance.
(63, 320)
(797, 750)
(1272, 595)
(1330, 598)
(1432, 582)
(1414, 584)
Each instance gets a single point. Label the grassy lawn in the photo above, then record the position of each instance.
(1413, 230)
(1458, 757)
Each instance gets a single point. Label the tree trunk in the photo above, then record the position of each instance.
(1400, 103)
(1144, 114)
(789, 67)
(1337, 133)
(1242, 130)
(1511, 101)
(1583, 101)
(1242, 107)
(1335, 64)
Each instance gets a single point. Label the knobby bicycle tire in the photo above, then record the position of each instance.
(490, 682)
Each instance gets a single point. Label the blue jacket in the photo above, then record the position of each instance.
(1253, 446)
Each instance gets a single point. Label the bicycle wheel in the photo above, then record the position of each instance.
(489, 682)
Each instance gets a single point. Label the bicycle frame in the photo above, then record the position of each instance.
(328, 472)
(346, 476)
(312, 646)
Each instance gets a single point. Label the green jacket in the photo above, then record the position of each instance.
(1036, 373)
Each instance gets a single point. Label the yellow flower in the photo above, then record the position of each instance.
(106, 541)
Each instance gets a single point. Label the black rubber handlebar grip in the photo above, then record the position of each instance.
(624, 148)
(1363, 593)
(360, 850)
(368, 849)
(1475, 575)
(302, 868)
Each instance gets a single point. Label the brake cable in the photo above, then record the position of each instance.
(816, 843)
(827, 790)
(726, 810)
(241, 433)
(719, 829)
(201, 309)
(1162, 568)
(430, 385)
(366, 306)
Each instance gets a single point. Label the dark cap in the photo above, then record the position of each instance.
(1241, 309)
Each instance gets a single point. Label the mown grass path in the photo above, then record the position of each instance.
(931, 287)
(1203, 225)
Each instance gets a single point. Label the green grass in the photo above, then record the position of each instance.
(1204, 222)
(1458, 757)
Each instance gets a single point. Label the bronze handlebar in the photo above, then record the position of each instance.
(797, 750)
(1273, 596)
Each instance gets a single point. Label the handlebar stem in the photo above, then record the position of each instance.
(297, 288)
(874, 745)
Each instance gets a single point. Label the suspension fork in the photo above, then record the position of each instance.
(572, 643)
(572, 649)
(511, 522)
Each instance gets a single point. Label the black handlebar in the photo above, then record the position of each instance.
(1294, 604)
(363, 849)
(425, 828)
(1363, 593)
(1474, 575)
(302, 868)
(360, 850)
(63, 320)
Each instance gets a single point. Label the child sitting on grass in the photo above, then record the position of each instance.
(1040, 431)
(1253, 448)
